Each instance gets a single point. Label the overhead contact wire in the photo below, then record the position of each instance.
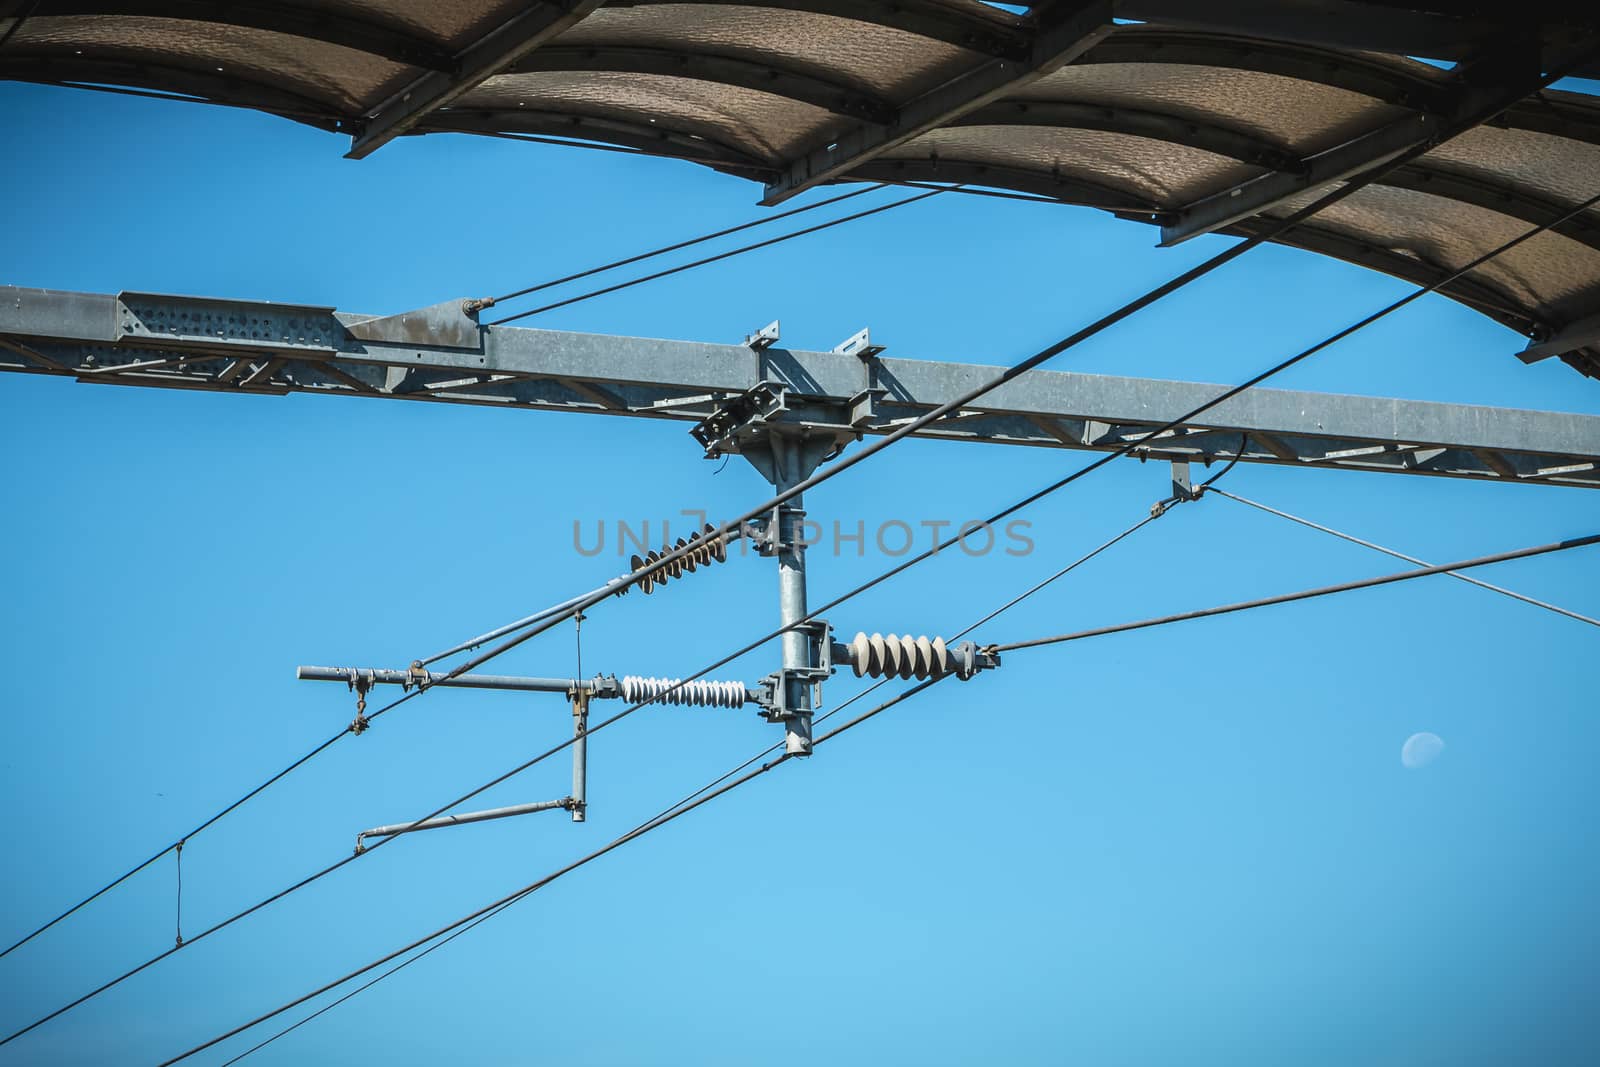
(98, 893)
(525, 891)
(669, 809)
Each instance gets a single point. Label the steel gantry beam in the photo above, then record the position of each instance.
(441, 354)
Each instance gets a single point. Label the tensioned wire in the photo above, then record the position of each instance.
(1303, 594)
(1151, 297)
(1155, 513)
(477, 642)
(533, 887)
(710, 791)
(1513, 594)
(720, 256)
(817, 479)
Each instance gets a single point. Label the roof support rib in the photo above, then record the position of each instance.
(298, 20)
(512, 40)
(1364, 153)
(1067, 30)
(1482, 90)
(1579, 334)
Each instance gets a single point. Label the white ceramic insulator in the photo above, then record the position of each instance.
(883, 656)
(697, 693)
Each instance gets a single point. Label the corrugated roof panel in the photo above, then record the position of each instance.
(1548, 270)
(342, 78)
(1157, 172)
(1307, 116)
(454, 24)
(763, 126)
(1553, 168)
(861, 55)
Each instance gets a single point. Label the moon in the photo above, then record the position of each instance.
(1421, 750)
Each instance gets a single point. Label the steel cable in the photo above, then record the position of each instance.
(1155, 513)
(706, 793)
(752, 224)
(900, 568)
(1303, 594)
(1513, 594)
(1105, 322)
(533, 887)
(726, 255)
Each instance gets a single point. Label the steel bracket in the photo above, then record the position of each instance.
(763, 338)
(771, 698)
(718, 432)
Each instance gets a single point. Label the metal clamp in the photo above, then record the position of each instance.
(772, 697)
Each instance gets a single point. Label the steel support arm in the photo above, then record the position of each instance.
(442, 355)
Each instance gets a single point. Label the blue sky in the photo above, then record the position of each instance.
(1191, 844)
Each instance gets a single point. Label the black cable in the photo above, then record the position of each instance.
(741, 250)
(1271, 232)
(900, 568)
(462, 925)
(179, 842)
(996, 194)
(669, 809)
(1128, 309)
(684, 244)
(1150, 297)
(1513, 594)
(1304, 594)
(525, 891)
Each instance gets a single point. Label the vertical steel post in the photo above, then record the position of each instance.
(580, 753)
(789, 469)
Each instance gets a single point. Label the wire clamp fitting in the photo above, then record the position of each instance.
(416, 675)
(360, 683)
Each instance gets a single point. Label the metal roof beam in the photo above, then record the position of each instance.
(531, 27)
(1580, 334)
(1478, 92)
(1061, 187)
(765, 77)
(295, 20)
(1066, 31)
(232, 346)
(1136, 122)
(1364, 27)
(1356, 156)
(651, 139)
(974, 26)
(53, 67)
(1500, 197)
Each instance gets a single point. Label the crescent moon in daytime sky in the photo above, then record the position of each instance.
(1421, 750)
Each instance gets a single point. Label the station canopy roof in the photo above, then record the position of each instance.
(1193, 117)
